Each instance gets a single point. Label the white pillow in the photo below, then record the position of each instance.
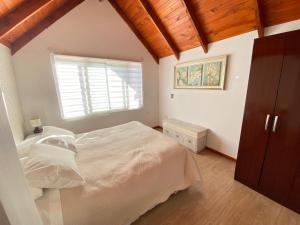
(50, 130)
(52, 136)
(62, 141)
(24, 146)
(48, 166)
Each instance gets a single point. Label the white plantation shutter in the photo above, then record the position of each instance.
(98, 89)
(68, 79)
(90, 85)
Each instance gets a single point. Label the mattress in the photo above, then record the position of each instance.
(128, 169)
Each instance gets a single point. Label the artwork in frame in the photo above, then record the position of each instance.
(201, 74)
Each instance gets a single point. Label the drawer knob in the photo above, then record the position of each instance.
(190, 141)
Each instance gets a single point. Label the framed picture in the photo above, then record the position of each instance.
(201, 74)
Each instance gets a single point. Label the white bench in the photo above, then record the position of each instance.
(190, 135)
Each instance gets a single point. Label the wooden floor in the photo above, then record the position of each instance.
(218, 200)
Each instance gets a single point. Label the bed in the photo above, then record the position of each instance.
(128, 170)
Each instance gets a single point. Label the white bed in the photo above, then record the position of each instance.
(128, 169)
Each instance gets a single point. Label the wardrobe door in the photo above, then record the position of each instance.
(283, 152)
(263, 83)
(294, 198)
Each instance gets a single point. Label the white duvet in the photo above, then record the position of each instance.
(128, 169)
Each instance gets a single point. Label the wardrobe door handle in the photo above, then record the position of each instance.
(275, 124)
(267, 122)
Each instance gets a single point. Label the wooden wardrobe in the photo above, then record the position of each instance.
(269, 151)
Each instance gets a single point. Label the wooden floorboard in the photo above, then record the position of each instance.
(218, 200)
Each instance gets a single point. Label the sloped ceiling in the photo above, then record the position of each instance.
(22, 20)
(165, 27)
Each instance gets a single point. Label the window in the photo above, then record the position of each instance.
(91, 85)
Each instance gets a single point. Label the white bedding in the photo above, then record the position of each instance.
(128, 169)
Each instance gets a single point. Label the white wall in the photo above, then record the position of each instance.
(220, 111)
(15, 197)
(8, 85)
(91, 29)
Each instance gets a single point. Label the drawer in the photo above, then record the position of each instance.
(190, 142)
(169, 132)
(179, 137)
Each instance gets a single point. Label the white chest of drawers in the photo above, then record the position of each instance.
(189, 135)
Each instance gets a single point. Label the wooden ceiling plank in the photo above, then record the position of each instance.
(44, 24)
(161, 28)
(259, 17)
(18, 15)
(134, 29)
(196, 24)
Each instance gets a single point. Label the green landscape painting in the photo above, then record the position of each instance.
(201, 74)
(195, 75)
(181, 76)
(212, 74)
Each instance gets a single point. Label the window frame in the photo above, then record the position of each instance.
(92, 114)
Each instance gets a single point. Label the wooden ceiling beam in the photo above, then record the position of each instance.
(161, 28)
(196, 24)
(44, 24)
(134, 29)
(20, 14)
(5, 43)
(259, 17)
